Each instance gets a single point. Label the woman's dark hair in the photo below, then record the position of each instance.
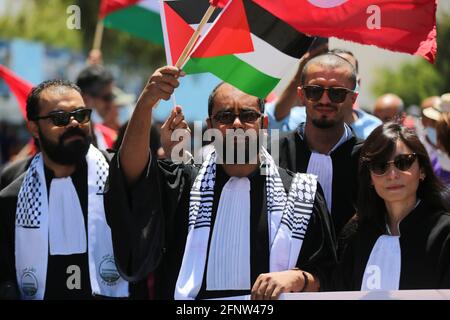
(379, 146)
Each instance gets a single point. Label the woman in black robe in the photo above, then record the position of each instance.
(400, 237)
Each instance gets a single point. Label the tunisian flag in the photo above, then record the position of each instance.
(19, 87)
(398, 25)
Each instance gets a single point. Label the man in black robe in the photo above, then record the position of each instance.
(325, 145)
(53, 234)
(210, 230)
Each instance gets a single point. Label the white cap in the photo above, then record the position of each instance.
(441, 105)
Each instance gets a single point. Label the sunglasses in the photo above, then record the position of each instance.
(227, 117)
(402, 162)
(62, 118)
(335, 94)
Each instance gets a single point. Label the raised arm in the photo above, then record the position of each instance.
(289, 98)
(134, 151)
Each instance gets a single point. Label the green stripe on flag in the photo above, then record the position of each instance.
(138, 21)
(236, 72)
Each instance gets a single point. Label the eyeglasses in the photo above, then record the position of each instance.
(62, 118)
(335, 94)
(227, 117)
(402, 162)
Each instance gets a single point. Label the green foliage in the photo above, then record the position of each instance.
(45, 21)
(414, 81)
(117, 45)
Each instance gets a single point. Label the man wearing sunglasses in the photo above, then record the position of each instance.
(55, 241)
(96, 84)
(325, 145)
(222, 228)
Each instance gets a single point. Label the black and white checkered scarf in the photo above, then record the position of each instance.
(288, 217)
(32, 232)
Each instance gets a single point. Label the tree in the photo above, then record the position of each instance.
(414, 81)
(47, 24)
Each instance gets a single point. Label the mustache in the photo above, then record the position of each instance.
(72, 132)
(331, 106)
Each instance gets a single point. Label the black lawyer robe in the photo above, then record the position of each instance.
(149, 224)
(56, 283)
(424, 245)
(294, 155)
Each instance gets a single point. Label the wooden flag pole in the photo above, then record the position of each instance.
(98, 36)
(187, 50)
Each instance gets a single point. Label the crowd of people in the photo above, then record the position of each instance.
(349, 201)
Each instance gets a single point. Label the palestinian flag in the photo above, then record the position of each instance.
(245, 46)
(137, 17)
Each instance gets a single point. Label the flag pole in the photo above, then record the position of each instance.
(187, 50)
(98, 36)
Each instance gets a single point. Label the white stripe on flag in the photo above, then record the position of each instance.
(151, 5)
(268, 59)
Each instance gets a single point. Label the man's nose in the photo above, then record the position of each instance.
(73, 122)
(237, 123)
(325, 99)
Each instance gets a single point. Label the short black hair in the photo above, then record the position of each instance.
(93, 78)
(261, 102)
(331, 60)
(339, 51)
(35, 95)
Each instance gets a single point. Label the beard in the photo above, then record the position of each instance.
(70, 153)
(324, 122)
(238, 148)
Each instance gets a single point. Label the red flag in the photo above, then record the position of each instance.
(108, 6)
(398, 25)
(180, 17)
(19, 87)
(218, 3)
(231, 28)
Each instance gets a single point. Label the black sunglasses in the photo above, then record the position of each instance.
(335, 94)
(62, 118)
(402, 162)
(227, 117)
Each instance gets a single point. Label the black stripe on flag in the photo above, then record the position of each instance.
(192, 11)
(275, 31)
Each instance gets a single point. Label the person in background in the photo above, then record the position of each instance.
(426, 127)
(389, 107)
(96, 84)
(287, 113)
(325, 145)
(435, 113)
